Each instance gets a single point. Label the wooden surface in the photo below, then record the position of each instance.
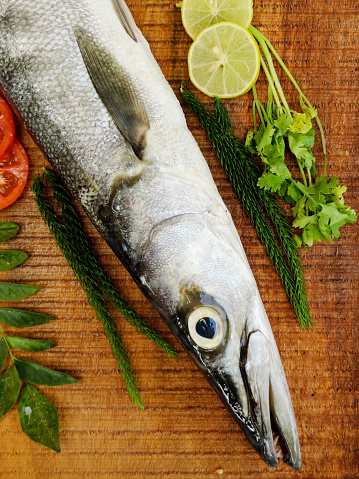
(184, 430)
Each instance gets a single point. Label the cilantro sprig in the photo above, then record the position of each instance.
(319, 210)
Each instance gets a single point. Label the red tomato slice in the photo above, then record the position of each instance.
(14, 169)
(7, 128)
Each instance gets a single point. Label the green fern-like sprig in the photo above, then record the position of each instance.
(64, 240)
(69, 235)
(259, 205)
(73, 224)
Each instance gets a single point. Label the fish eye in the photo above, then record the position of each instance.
(206, 327)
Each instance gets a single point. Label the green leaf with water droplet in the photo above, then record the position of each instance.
(9, 390)
(20, 318)
(14, 292)
(3, 352)
(11, 258)
(34, 373)
(7, 230)
(39, 419)
(27, 344)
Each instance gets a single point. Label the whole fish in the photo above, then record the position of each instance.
(83, 80)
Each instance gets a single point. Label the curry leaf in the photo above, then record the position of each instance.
(14, 292)
(26, 344)
(3, 352)
(7, 230)
(39, 419)
(9, 390)
(36, 374)
(23, 319)
(11, 258)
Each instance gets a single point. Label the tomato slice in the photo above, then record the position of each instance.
(7, 128)
(14, 168)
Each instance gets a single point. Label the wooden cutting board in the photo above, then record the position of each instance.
(185, 430)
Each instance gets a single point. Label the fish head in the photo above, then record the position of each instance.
(199, 280)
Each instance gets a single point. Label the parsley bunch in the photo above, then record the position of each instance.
(319, 209)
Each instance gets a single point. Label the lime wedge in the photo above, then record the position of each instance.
(200, 14)
(224, 60)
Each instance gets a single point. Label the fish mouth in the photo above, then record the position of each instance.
(269, 405)
(264, 413)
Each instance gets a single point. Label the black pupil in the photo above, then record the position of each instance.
(206, 327)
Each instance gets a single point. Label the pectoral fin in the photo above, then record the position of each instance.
(115, 88)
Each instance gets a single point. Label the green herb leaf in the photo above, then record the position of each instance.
(302, 121)
(300, 145)
(7, 230)
(4, 351)
(11, 258)
(270, 181)
(280, 169)
(39, 419)
(9, 390)
(303, 220)
(319, 210)
(36, 374)
(330, 211)
(14, 292)
(293, 192)
(266, 138)
(27, 344)
(282, 123)
(298, 240)
(19, 318)
(250, 143)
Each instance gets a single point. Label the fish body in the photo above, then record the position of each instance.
(84, 82)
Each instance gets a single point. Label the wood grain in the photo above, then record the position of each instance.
(184, 430)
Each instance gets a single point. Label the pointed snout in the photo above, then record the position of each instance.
(270, 405)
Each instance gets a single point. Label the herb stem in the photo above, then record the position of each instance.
(309, 176)
(7, 344)
(270, 81)
(320, 126)
(262, 114)
(302, 173)
(302, 189)
(254, 108)
(263, 40)
(257, 105)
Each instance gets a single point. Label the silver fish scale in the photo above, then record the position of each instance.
(135, 208)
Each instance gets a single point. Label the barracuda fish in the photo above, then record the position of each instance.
(83, 80)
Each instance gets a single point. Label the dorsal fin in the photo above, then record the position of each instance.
(126, 18)
(117, 92)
